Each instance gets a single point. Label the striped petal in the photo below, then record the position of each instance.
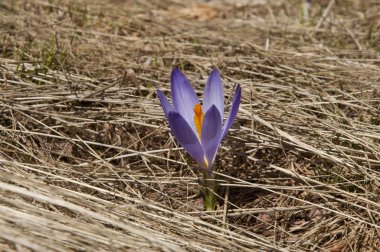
(164, 102)
(213, 94)
(211, 134)
(183, 96)
(186, 136)
(234, 110)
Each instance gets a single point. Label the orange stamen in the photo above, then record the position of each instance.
(198, 118)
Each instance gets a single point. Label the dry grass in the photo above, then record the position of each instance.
(87, 161)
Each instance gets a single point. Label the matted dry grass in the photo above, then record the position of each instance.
(87, 161)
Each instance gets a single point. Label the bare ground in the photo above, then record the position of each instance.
(87, 161)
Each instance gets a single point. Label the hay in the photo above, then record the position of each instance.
(87, 161)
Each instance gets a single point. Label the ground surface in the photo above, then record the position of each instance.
(87, 161)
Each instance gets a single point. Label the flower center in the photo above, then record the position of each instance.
(198, 118)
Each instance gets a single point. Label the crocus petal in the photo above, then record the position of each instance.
(183, 96)
(164, 102)
(213, 94)
(186, 136)
(211, 133)
(233, 111)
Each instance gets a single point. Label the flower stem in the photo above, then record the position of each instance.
(210, 190)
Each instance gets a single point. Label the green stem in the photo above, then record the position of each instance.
(209, 191)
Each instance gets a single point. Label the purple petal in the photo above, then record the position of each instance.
(183, 96)
(186, 136)
(233, 111)
(164, 102)
(213, 94)
(211, 133)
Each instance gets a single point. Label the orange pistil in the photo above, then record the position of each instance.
(198, 118)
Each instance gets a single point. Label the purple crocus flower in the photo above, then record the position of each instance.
(199, 128)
